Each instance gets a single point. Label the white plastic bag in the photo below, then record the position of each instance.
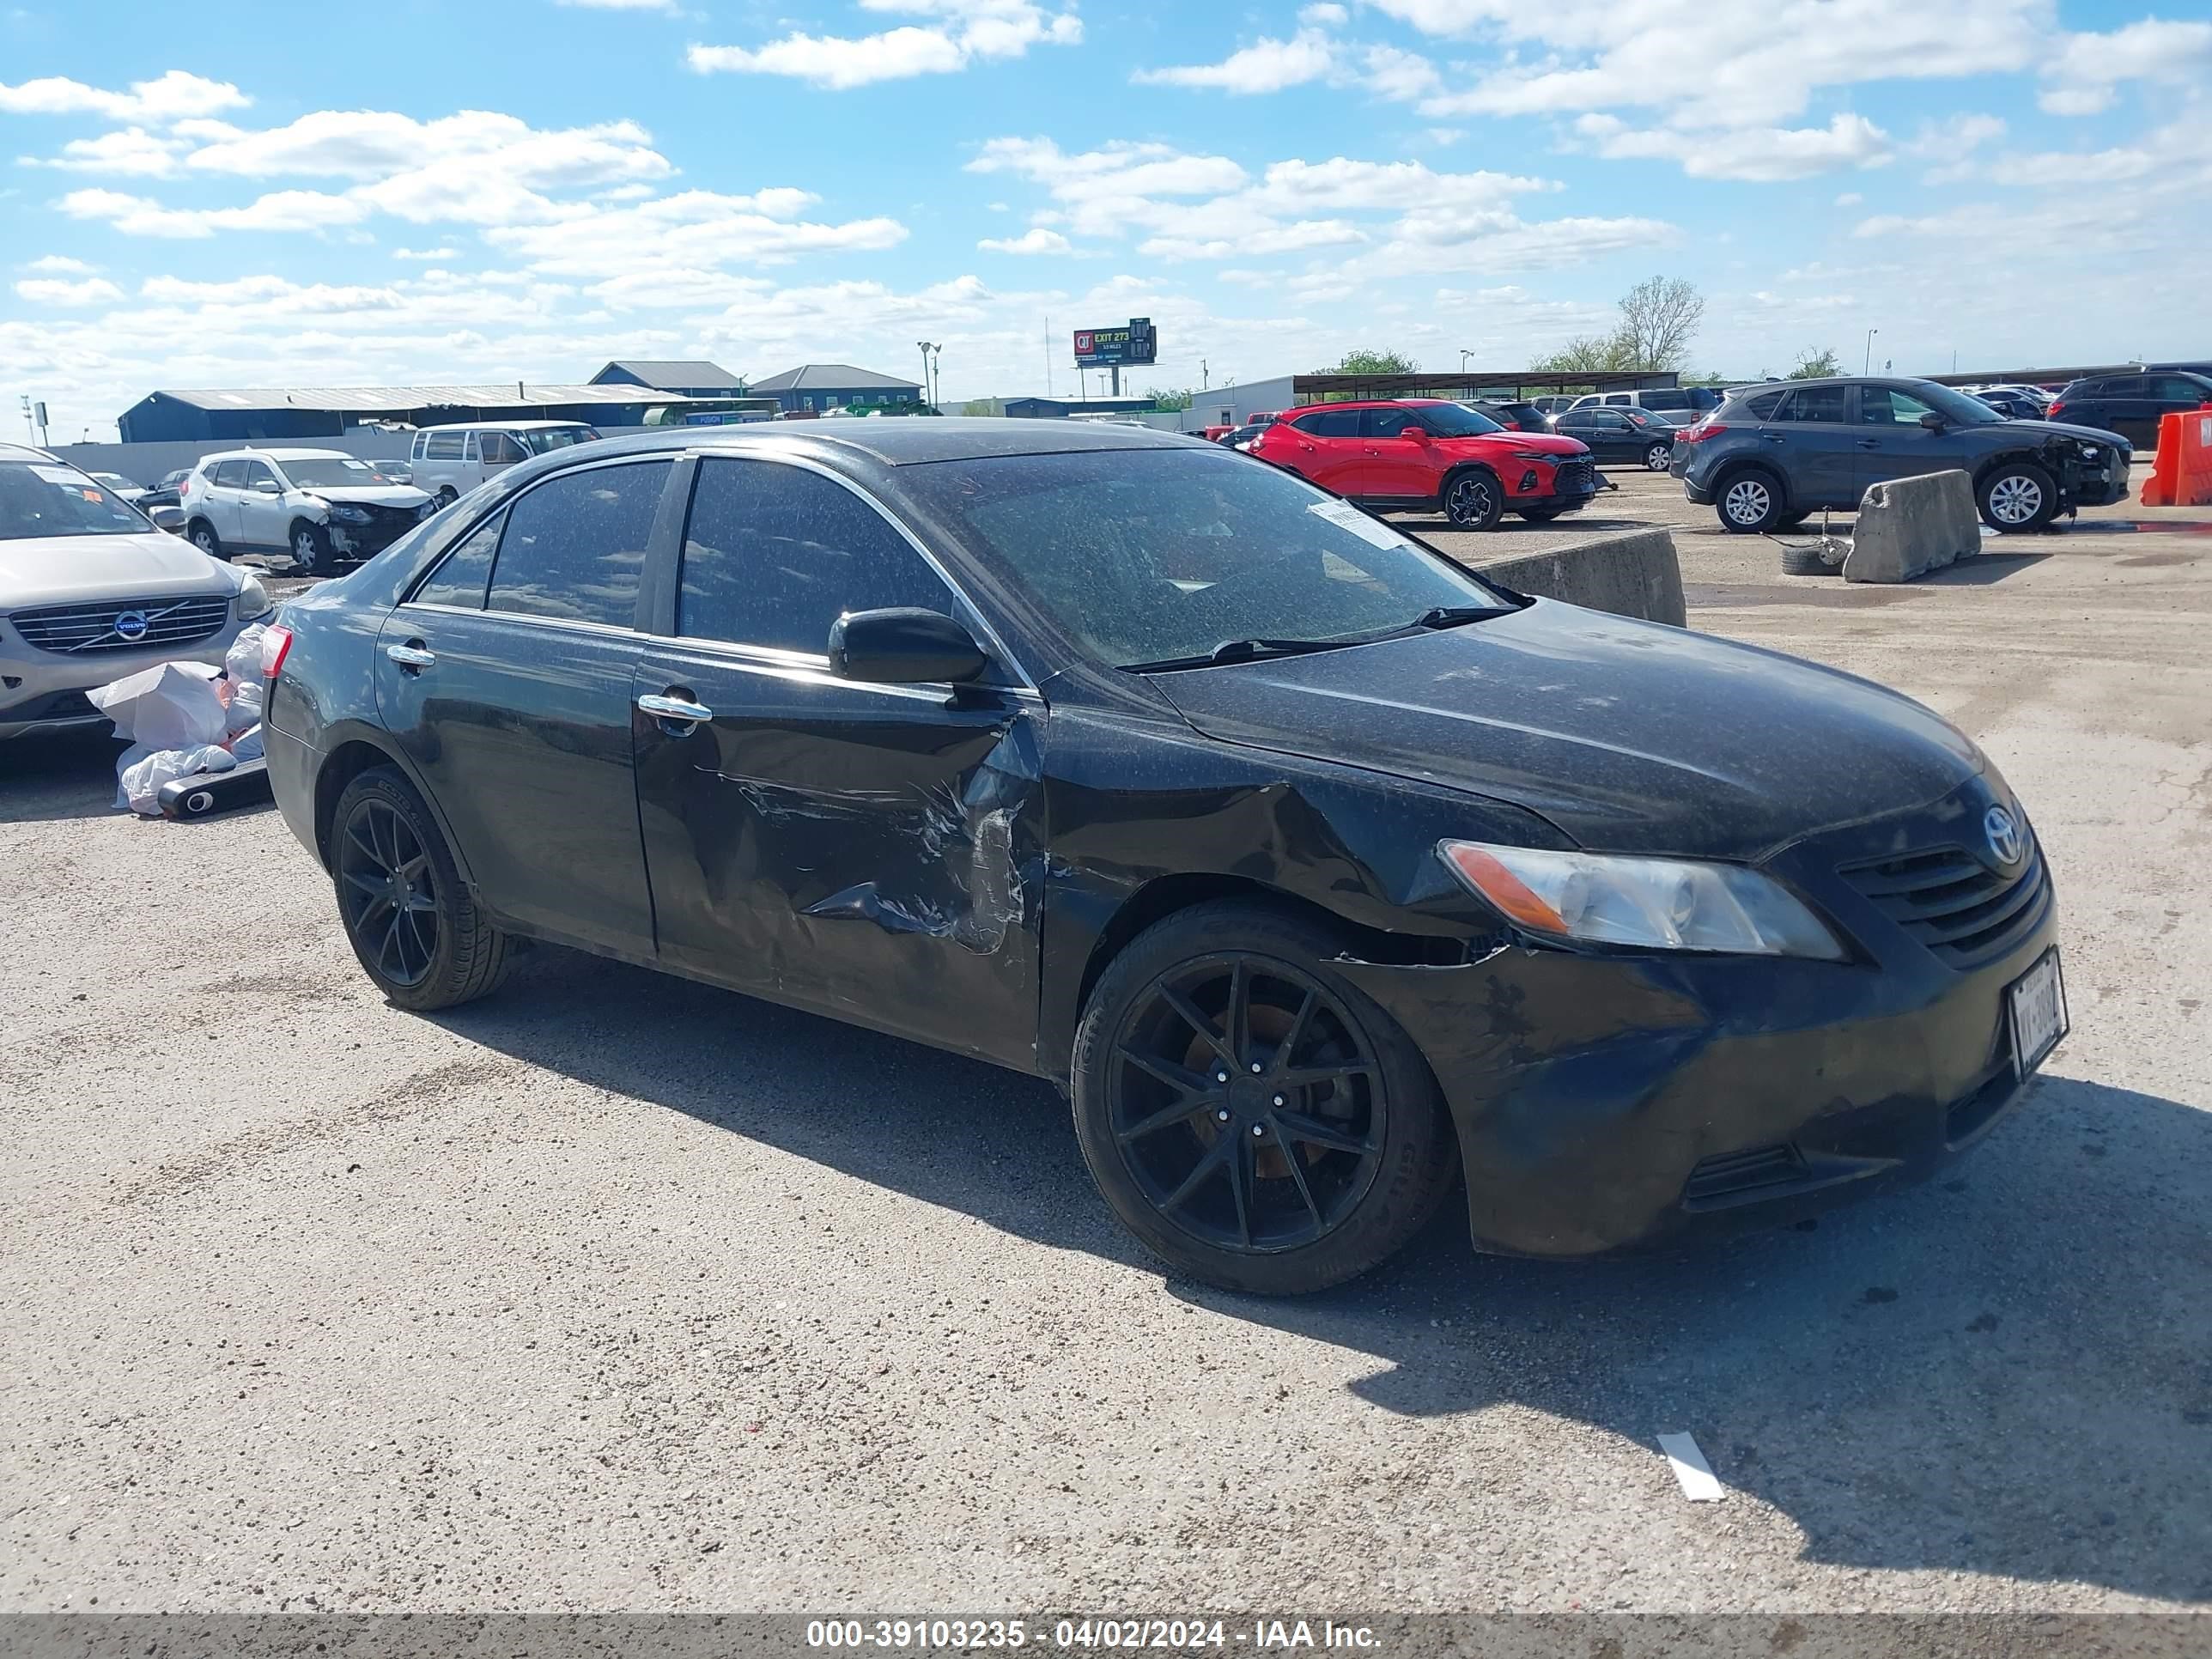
(243, 710)
(246, 746)
(172, 705)
(242, 662)
(142, 782)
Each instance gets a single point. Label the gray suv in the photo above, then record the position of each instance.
(1772, 455)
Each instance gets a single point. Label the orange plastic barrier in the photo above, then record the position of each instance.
(2181, 471)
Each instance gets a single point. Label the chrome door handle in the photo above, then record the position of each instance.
(410, 656)
(673, 709)
(1869, 443)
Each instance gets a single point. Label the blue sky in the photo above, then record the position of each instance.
(251, 194)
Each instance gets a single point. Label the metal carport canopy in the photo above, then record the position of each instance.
(1521, 380)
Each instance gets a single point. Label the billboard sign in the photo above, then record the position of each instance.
(1134, 342)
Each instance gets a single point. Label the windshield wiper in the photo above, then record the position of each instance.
(1238, 651)
(1451, 616)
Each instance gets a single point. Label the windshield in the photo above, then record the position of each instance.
(552, 438)
(1152, 555)
(40, 499)
(1456, 420)
(1955, 405)
(335, 473)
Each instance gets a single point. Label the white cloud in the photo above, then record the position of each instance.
(423, 253)
(171, 97)
(1850, 198)
(53, 291)
(61, 263)
(965, 31)
(133, 150)
(283, 209)
(377, 144)
(1763, 155)
(1035, 241)
(1274, 239)
(1266, 66)
(2080, 79)
(1404, 77)
(694, 229)
(1443, 135)
(1105, 191)
(1325, 16)
(668, 7)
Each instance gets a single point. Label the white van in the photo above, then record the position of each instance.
(1681, 403)
(449, 461)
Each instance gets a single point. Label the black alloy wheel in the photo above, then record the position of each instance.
(1473, 499)
(388, 892)
(411, 918)
(1256, 1123)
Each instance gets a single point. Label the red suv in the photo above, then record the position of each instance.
(1425, 453)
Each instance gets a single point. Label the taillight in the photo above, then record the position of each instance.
(1699, 433)
(2053, 411)
(276, 646)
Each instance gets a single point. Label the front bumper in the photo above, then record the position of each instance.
(43, 691)
(1607, 1101)
(1565, 489)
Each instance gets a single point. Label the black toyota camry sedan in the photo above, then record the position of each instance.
(1317, 870)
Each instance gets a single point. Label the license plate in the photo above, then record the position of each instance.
(2036, 1004)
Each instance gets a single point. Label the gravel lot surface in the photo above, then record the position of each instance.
(618, 1292)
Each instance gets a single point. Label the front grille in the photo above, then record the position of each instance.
(86, 629)
(1732, 1173)
(1574, 478)
(1955, 905)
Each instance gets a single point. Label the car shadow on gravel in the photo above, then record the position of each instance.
(56, 776)
(2008, 1371)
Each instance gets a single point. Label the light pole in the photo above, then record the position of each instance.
(1867, 368)
(1204, 376)
(928, 379)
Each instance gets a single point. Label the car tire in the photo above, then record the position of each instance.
(311, 549)
(1325, 1188)
(201, 535)
(1473, 499)
(413, 924)
(2017, 498)
(445, 497)
(1659, 458)
(1806, 561)
(1748, 502)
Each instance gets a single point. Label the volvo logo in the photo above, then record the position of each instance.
(130, 625)
(2004, 835)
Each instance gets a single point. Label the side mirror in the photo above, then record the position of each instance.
(1420, 434)
(264, 487)
(902, 646)
(1933, 421)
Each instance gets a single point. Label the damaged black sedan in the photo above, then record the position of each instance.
(1318, 871)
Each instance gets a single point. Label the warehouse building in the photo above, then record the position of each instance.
(692, 376)
(265, 414)
(813, 387)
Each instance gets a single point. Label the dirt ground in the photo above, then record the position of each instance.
(617, 1292)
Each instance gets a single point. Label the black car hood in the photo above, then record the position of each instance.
(1628, 736)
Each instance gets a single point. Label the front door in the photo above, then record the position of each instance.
(261, 521)
(218, 499)
(1397, 462)
(869, 851)
(506, 677)
(1892, 442)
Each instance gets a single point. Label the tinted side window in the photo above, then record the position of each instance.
(231, 475)
(1389, 422)
(2124, 385)
(1813, 402)
(444, 447)
(460, 580)
(1764, 405)
(2171, 388)
(500, 449)
(415, 449)
(1884, 405)
(256, 475)
(1333, 424)
(1665, 400)
(575, 546)
(774, 555)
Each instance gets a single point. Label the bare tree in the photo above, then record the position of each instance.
(1582, 354)
(1659, 317)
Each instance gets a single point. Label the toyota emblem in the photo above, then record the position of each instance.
(2004, 837)
(130, 625)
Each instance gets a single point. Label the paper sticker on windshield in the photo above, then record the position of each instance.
(1344, 516)
(58, 475)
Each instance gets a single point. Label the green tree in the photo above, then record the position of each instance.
(1370, 363)
(1170, 399)
(1583, 355)
(1815, 366)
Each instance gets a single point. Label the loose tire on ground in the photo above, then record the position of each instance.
(1748, 502)
(1806, 561)
(1327, 1176)
(2017, 498)
(411, 919)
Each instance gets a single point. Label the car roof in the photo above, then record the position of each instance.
(25, 452)
(909, 441)
(264, 454)
(1370, 403)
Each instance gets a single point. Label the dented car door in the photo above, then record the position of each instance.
(868, 850)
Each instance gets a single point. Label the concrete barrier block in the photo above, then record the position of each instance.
(1635, 573)
(1909, 527)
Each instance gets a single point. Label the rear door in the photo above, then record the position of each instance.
(1810, 436)
(1328, 447)
(2120, 404)
(505, 678)
(218, 500)
(2170, 394)
(1892, 444)
(872, 851)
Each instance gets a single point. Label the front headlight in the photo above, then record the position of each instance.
(350, 515)
(1536, 455)
(1662, 904)
(253, 602)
